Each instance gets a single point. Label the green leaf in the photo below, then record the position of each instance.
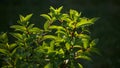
(19, 28)
(84, 36)
(26, 18)
(35, 30)
(95, 50)
(61, 51)
(52, 44)
(12, 46)
(30, 26)
(80, 65)
(83, 57)
(3, 37)
(85, 43)
(13, 51)
(57, 27)
(94, 42)
(46, 16)
(21, 18)
(67, 45)
(61, 32)
(17, 36)
(49, 65)
(86, 21)
(59, 9)
(49, 37)
(46, 25)
(4, 51)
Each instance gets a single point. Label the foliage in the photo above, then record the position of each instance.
(56, 46)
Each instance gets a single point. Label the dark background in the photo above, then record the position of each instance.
(107, 28)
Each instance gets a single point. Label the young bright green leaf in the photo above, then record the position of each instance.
(49, 37)
(61, 51)
(46, 16)
(67, 45)
(57, 27)
(59, 9)
(86, 21)
(26, 18)
(19, 28)
(61, 32)
(46, 25)
(84, 57)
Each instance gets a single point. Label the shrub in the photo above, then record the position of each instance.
(64, 39)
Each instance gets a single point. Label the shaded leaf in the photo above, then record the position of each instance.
(17, 36)
(4, 51)
(80, 65)
(49, 65)
(94, 42)
(67, 45)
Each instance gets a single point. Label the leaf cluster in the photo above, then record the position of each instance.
(64, 39)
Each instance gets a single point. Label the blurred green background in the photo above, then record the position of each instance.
(107, 28)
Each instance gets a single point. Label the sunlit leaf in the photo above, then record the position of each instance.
(46, 16)
(57, 27)
(86, 21)
(59, 9)
(49, 37)
(84, 57)
(28, 17)
(46, 25)
(61, 32)
(19, 28)
(84, 36)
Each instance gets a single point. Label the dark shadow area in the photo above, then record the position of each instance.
(107, 28)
